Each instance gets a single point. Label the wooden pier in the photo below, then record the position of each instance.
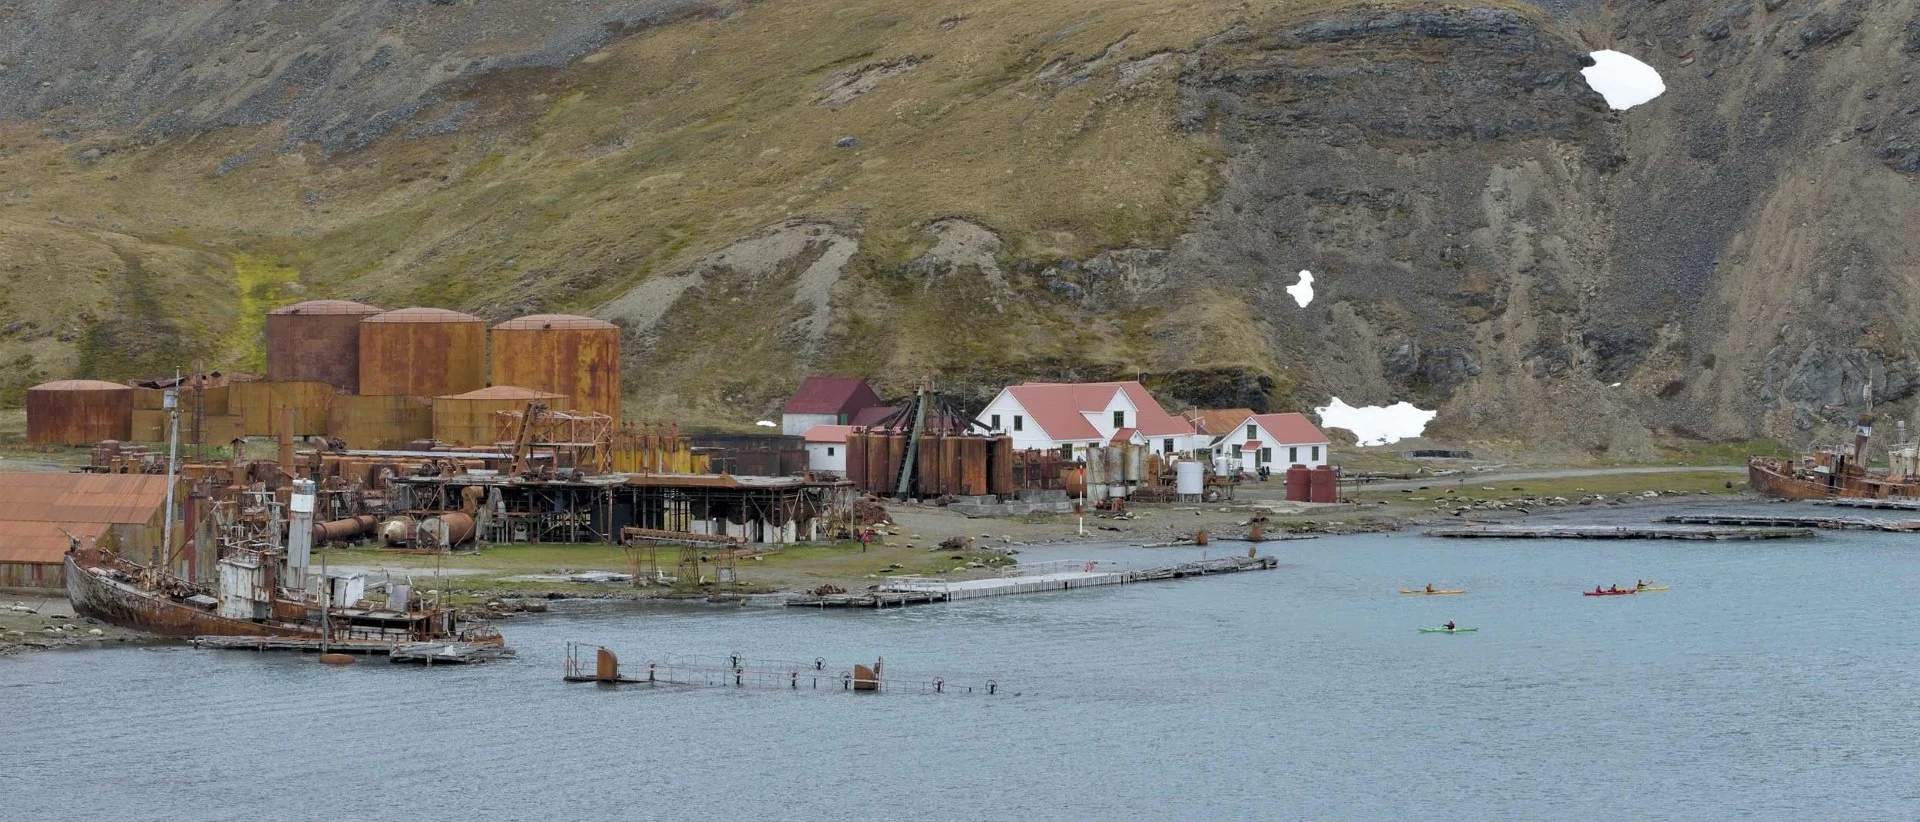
(1024, 579)
(1827, 523)
(1616, 532)
(1898, 504)
(593, 663)
(429, 653)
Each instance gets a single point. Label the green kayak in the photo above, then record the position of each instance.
(1448, 630)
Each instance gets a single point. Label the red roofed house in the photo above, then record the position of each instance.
(1275, 440)
(1070, 417)
(827, 448)
(826, 401)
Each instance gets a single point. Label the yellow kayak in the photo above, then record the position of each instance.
(1654, 587)
(1430, 593)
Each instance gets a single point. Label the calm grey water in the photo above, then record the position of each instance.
(1776, 680)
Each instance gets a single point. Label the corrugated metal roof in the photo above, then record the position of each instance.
(1217, 421)
(328, 307)
(503, 392)
(832, 395)
(75, 498)
(80, 385)
(1290, 429)
(1058, 408)
(42, 542)
(555, 321)
(421, 315)
(828, 433)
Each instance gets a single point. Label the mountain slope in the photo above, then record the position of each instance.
(992, 191)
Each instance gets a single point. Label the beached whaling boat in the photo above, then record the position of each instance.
(1830, 471)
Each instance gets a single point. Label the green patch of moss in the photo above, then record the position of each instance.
(260, 281)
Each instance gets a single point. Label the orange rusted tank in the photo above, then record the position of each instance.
(79, 412)
(469, 419)
(422, 352)
(390, 421)
(317, 341)
(564, 354)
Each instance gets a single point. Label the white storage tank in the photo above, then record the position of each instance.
(1189, 478)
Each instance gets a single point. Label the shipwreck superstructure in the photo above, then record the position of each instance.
(1837, 471)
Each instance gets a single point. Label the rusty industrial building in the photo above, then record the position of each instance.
(79, 412)
(578, 357)
(42, 514)
(317, 341)
(422, 352)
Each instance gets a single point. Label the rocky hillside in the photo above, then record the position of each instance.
(994, 190)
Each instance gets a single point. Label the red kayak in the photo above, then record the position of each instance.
(1607, 593)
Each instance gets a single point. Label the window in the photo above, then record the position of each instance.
(996, 422)
(1253, 431)
(829, 450)
(1266, 456)
(1316, 453)
(1167, 446)
(1236, 452)
(1293, 456)
(1066, 451)
(1018, 421)
(1119, 419)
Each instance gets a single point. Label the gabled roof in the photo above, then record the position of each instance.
(1123, 435)
(1217, 421)
(832, 395)
(828, 433)
(1061, 404)
(35, 508)
(1289, 428)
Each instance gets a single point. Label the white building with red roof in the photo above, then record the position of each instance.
(1072, 417)
(827, 448)
(1276, 441)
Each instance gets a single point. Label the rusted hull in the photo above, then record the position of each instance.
(116, 602)
(1776, 479)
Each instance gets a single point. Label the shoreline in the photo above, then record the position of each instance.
(921, 539)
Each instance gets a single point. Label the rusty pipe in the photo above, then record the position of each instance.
(459, 526)
(339, 529)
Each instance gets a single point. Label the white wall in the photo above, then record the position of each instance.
(797, 425)
(819, 458)
(1029, 436)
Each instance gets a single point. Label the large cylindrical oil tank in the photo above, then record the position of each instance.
(926, 466)
(896, 456)
(1299, 484)
(1000, 462)
(422, 352)
(877, 462)
(857, 458)
(973, 466)
(470, 418)
(1326, 484)
(447, 529)
(317, 341)
(562, 353)
(1189, 478)
(79, 412)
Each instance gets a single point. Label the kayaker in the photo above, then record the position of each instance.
(1429, 587)
(1596, 589)
(1613, 589)
(1449, 625)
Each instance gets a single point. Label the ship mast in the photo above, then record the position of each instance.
(172, 403)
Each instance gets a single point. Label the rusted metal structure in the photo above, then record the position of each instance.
(422, 352)
(380, 422)
(42, 515)
(578, 357)
(654, 449)
(79, 412)
(469, 419)
(261, 405)
(317, 341)
(1836, 471)
(573, 439)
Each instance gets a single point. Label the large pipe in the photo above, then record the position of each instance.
(459, 526)
(286, 441)
(340, 529)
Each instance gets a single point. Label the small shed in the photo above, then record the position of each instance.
(826, 401)
(827, 448)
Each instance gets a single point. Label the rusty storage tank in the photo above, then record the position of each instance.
(926, 466)
(562, 353)
(1326, 484)
(469, 419)
(317, 341)
(422, 352)
(857, 458)
(949, 464)
(973, 466)
(1299, 484)
(79, 412)
(1000, 463)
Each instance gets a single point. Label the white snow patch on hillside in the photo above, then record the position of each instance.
(1623, 80)
(1302, 291)
(1376, 425)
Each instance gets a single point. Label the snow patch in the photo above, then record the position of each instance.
(1376, 425)
(1302, 291)
(1623, 80)
(767, 424)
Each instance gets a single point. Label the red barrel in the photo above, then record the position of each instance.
(1299, 484)
(1326, 486)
